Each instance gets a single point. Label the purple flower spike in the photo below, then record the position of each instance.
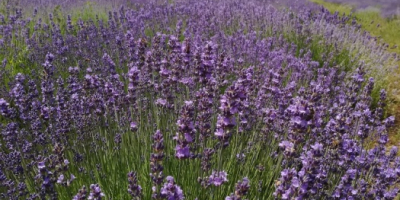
(156, 159)
(4, 107)
(241, 190)
(81, 194)
(186, 131)
(134, 189)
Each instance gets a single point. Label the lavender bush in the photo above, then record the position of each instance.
(195, 100)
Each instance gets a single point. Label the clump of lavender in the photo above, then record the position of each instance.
(304, 114)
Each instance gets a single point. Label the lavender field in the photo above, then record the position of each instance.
(184, 99)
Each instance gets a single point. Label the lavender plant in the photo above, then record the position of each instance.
(186, 99)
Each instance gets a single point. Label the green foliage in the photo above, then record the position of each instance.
(115, 164)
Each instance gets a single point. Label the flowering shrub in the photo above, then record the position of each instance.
(206, 100)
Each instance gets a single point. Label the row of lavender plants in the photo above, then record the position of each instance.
(26, 39)
(196, 100)
(389, 8)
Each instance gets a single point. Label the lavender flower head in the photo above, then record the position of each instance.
(133, 126)
(134, 189)
(95, 192)
(241, 190)
(171, 191)
(186, 131)
(4, 107)
(288, 147)
(217, 178)
(81, 194)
